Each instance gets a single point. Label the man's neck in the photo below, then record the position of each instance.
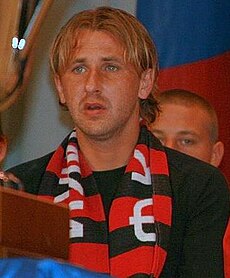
(109, 154)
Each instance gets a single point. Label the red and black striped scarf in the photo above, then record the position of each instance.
(140, 214)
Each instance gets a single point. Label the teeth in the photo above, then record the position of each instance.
(94, 107)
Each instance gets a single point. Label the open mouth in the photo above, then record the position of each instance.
(94, 106)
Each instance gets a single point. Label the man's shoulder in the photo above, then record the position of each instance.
(31, 172)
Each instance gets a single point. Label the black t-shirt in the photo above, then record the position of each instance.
(107, 183)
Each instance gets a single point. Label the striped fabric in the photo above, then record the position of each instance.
(140, 214)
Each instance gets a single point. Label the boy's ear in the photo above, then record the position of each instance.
(59, 87)
(146, 83)
(217, 153)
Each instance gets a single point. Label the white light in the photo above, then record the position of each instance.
(21, 44)
(14, 42)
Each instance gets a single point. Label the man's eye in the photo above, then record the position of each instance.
(111, 68)
(79, 69)
(187, 141)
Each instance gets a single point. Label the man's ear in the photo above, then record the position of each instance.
(59, 87)
(146, 83)
(217, 153)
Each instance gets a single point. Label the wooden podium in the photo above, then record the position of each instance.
(32, 227)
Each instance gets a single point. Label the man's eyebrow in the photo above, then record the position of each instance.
(111, 58)
(181, 132)
(188, 132)
(105, 59)
(78, 60)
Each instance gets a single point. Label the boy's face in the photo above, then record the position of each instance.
(186, 129)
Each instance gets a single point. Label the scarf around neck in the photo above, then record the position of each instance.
(135, 240)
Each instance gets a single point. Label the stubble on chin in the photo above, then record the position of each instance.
(99, 131)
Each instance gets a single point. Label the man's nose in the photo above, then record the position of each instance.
(93, 81)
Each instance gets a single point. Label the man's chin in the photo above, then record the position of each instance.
(95, 132)
(101, 133)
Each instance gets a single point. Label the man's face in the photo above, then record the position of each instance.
(185, 129)
(99, 88)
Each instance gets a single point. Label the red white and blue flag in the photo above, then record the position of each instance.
(193, 44)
